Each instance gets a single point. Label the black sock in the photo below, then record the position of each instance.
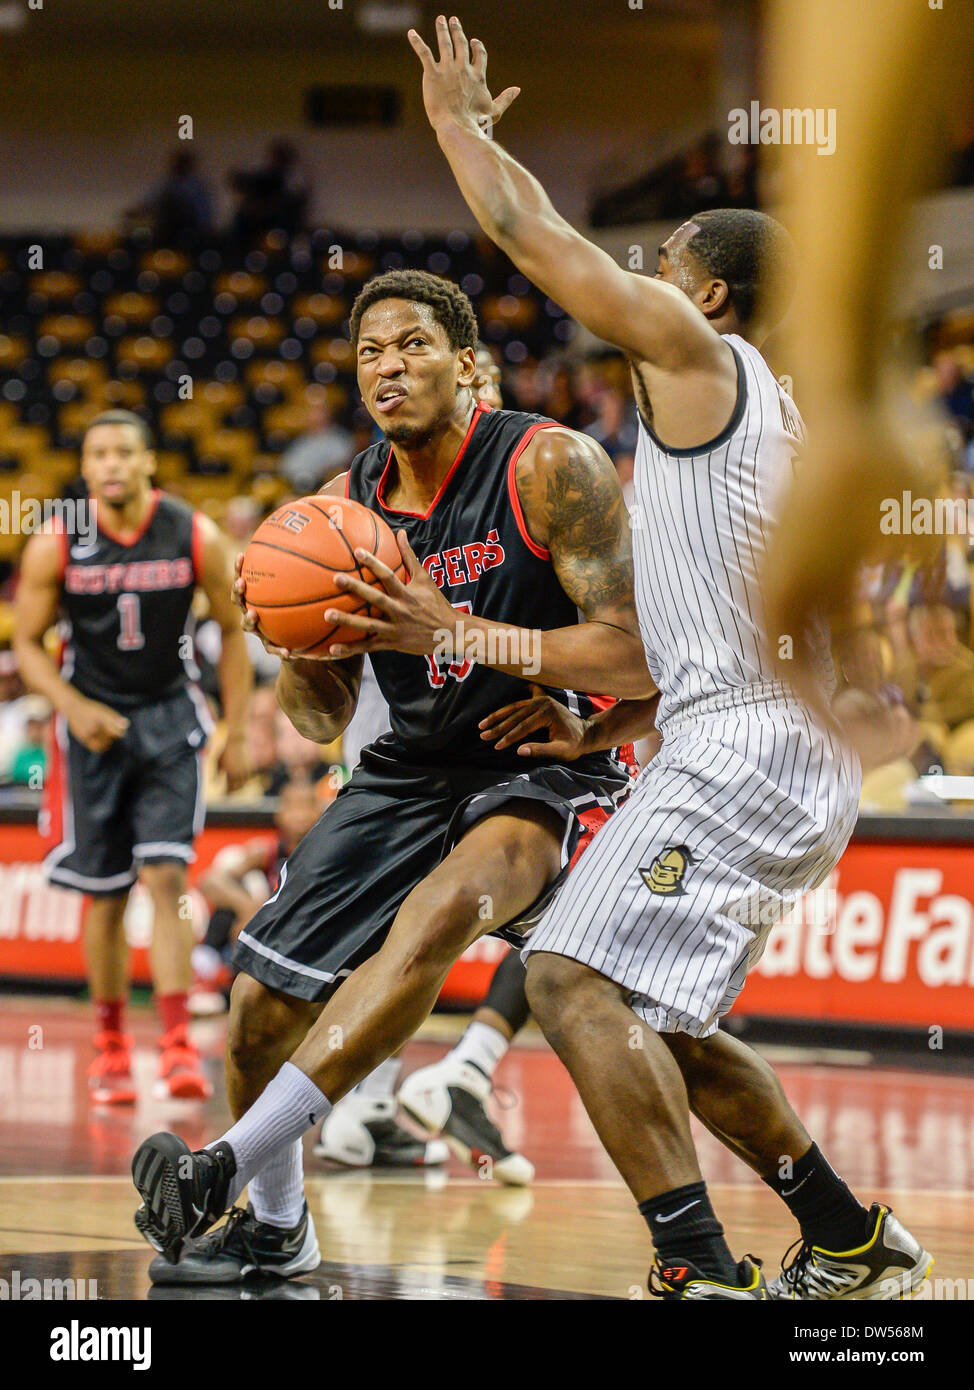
(684, 1228)
(828, 1212)
(506, 995)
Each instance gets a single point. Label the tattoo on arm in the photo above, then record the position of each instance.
(576, 502)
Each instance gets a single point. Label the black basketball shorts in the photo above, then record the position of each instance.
(140, 802)
(387, 829)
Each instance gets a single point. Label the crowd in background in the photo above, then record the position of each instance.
(914, 640)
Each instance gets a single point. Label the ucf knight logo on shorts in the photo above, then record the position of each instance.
(666, 873)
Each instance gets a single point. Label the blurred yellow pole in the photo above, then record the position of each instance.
(891, 71)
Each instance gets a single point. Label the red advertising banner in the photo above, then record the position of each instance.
(890, 940)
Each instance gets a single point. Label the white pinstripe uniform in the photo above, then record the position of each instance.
(750, 801)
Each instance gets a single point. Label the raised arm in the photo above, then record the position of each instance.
(654, 322)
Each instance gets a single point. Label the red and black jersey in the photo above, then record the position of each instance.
(474, 543)
(126, 602)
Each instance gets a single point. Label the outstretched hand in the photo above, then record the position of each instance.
(512, 723)
(455, 87)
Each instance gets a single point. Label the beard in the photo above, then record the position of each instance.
(413, 436)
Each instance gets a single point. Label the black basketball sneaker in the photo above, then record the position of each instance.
(243, 1248)
(684, 1281)
(182, 1192)
(450, 1098)
(891, 1265)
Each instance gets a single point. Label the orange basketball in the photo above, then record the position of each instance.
(289, 569)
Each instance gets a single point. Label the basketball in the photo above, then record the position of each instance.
(290, 565)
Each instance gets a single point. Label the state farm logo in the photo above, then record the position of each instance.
(31, 909)
(926, 934)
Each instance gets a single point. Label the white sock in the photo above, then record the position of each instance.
(380, 1084)
(288, 1105)
(483, 1046)
(277, 1191)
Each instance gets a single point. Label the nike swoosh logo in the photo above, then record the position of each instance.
(787, 1191)
(83, 552)
(197, 1210)
(678, 1213)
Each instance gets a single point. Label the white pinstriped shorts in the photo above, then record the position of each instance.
(747, 806)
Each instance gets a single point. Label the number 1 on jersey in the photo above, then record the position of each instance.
(131, 638)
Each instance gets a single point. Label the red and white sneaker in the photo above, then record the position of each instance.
(110, 1074)
(180, 1068)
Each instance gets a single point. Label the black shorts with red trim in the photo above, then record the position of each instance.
(139, 802)
(386, 831)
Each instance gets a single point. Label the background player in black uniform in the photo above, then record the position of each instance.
(438, 837)
(130, 729)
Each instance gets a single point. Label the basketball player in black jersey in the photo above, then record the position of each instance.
(126, 795)
(438, 838)
(448, 1098)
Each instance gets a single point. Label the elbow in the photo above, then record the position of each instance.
(639, 684)
(503, 223)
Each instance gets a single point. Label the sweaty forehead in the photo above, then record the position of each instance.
(387, 319)
(680, 237)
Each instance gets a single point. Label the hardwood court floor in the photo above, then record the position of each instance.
(66, 1199)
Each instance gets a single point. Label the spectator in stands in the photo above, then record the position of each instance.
(944, 666)
(13, 706)
(238, 881)
(702, 183)
(300, 758)
(274, 196)
(561, 402)
(955, 389)
(241, 518)
(742, 179)
(615, 426)
(324, 450)
(180, 206)
(30, 760)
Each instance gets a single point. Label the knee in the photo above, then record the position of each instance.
(164, 880)
(259, 1021)
(430, 934)
(106, 910)
(560, 992)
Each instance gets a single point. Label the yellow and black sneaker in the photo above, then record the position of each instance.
(891, 1265)
(684, 1280)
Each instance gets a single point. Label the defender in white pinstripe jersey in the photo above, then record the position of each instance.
(752, 797)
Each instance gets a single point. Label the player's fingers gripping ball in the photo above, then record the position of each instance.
(290, 565)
